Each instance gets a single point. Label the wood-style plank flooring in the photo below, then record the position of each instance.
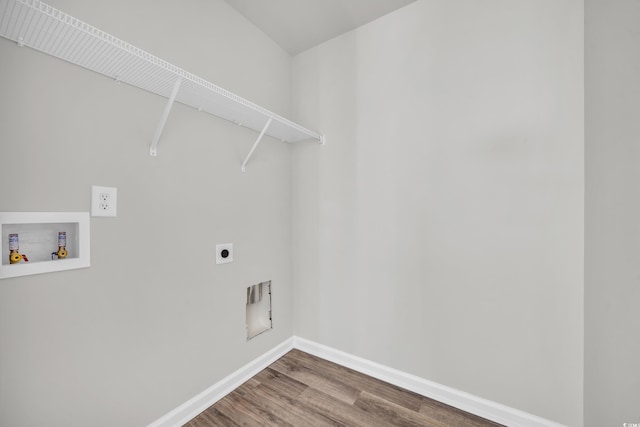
(302, 390)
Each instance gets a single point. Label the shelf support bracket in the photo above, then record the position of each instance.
(153, 150)
(255, 145)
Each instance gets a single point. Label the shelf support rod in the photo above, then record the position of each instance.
(255, 145)
(153, 150)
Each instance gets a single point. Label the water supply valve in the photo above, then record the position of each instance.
(62, 246)
(14, 250)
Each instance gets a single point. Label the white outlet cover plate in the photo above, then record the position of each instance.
(219, 249)
(104, 201)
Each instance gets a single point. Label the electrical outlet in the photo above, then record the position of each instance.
(224, 253)
(104, 201)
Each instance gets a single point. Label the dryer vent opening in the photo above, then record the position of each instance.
(258, 309)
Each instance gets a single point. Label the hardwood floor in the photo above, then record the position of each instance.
(302, 390)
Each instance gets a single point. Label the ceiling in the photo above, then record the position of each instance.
(297, 25)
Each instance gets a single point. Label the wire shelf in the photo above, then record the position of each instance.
(37, 25)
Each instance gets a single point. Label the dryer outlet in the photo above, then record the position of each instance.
(224, 253)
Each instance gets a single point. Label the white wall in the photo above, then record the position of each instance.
(153, 321)
(440, 230)
(612, 288)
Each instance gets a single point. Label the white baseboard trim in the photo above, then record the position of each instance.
(467, 402)
(191, 408)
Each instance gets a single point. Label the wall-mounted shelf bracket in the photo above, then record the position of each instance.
(153, 151)
(255, 145)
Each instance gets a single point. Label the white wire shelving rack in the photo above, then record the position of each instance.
(37, 25)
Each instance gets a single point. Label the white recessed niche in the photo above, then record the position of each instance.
(258, 309)
(37, 237)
